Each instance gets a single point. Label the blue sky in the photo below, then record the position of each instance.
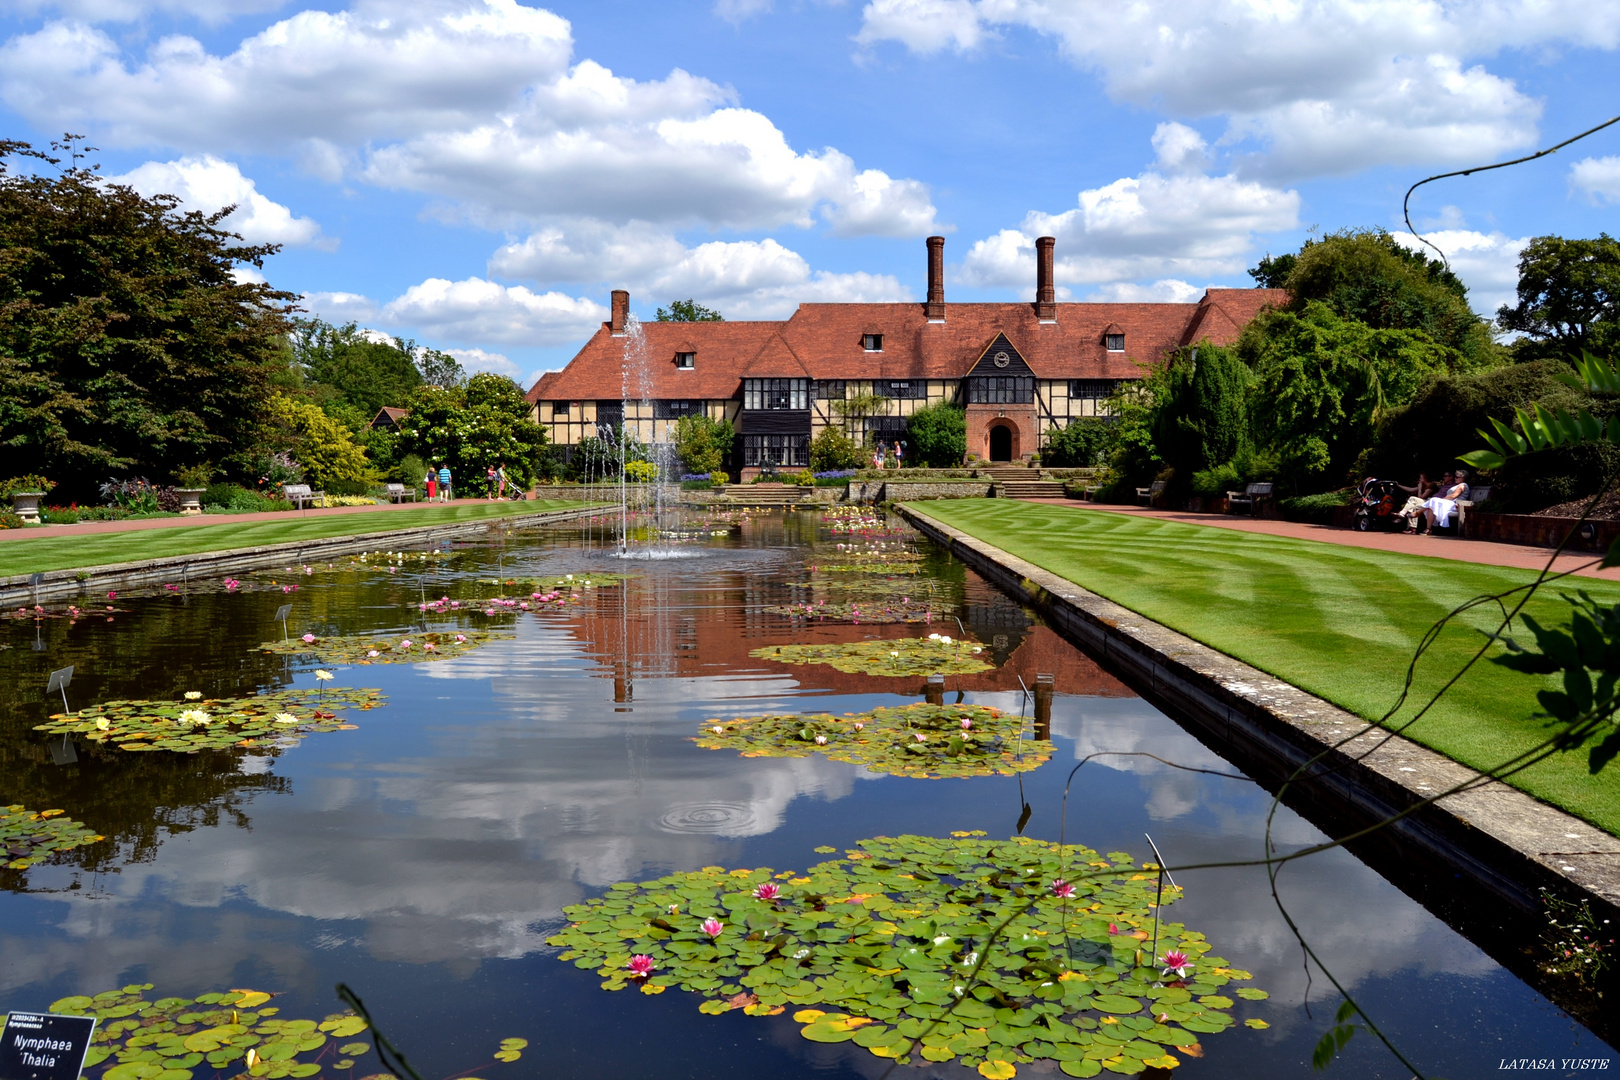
(477, 174)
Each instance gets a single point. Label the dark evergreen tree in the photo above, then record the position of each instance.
(937, 435)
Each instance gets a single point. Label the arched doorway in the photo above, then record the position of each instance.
(1001, 443)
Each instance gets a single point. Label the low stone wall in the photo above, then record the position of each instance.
(1541, 531)
(871, 491)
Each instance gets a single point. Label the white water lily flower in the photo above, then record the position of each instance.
(801, 954)
(933, 637)
(102, 723)
(970, 959)
(717, 730)
(324, 675)
(193, 695)
(194, 718)
(944, 641)
(286, 718)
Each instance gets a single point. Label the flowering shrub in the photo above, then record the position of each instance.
(135, 495)
(640, 472)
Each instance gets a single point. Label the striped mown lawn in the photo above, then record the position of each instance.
(44, 553)
(1339, 622)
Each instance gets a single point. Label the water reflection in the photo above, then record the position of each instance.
(429, 852)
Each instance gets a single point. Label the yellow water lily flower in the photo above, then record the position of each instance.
(323, 675)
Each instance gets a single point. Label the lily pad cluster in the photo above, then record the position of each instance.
(993, 953)
(235, 1032)
(28, 836)
(264, 721)
(932, 655)
(559, 582)
(71, 611)
(921, 740)
(863, 562)
(873, 611)
(380, 649)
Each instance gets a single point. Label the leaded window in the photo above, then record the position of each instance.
(609, 414)
(1114, 342)
(776, 393)
(686, 359)
(829, 390)
(1091, 389)
(673, 410)
(782, 451)
(1001, 390)
(912, 388)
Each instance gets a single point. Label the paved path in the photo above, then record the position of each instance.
(1482, 552)
(89, 528)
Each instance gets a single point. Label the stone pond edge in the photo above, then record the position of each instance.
(22, 589)
(1496, 836)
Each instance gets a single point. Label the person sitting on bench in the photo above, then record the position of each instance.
(1437, 511)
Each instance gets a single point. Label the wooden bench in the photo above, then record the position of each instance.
(1146, 495)
(399, 492)
(1251, 496)
(299, 494)
(1459, 520)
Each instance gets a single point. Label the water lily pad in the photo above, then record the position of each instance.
(28, 837)
(392, 649)
(176, 1038)
(918, 740)
(257, 723)
(876, 610)
(880, 948)
(933, 655)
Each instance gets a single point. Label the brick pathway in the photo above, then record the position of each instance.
(1483, 552)
(89, 528)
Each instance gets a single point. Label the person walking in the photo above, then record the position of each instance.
(500, 480)
(444, 482)
(489, 483)
(431, 482)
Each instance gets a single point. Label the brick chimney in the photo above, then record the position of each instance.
(936, 279)
(1045, 293)
(621, 312)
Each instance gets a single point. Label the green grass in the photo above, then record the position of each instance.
(1339, 622)
(45, 553)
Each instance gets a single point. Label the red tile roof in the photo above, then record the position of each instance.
(823, 341)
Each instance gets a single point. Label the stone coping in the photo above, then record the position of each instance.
(60, 584)
(1495, 836)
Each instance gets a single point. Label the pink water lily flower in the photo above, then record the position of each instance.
(1113, 928)
(859, 726)
(767, 891)
(920, 737)
(461, 639)
(967, 725)
(309, 639)
(712, 926)
(821, 740)
(1175, 962)
(1062, 889)
(641, 965)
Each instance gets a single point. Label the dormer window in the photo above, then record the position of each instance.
(872, 342)
(1114, 342)
(688, 360)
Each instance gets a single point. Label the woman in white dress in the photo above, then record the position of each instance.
(1438, 510)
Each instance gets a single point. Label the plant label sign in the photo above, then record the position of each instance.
(44, 1046)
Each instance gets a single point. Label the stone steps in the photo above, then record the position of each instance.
(1030, 489)
(767, 494)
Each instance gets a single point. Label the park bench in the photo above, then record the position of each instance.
(1251, 496)
(1459, 520)
(299, 494)
(1146, 495)
(399, 492)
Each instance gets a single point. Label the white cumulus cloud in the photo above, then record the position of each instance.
(478, 311)
(743, 278)
(1325, 86)
(211, 12)
(207, 183)
(1599, 178)
(1147, 227)
(473, 360)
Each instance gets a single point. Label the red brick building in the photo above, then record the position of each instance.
(1020, 370)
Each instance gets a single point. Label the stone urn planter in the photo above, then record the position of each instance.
(25, 504)
(190, 500)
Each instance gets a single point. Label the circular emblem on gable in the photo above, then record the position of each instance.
(1002, 359)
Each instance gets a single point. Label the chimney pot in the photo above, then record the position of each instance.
(621, 311)
(936, 279)
(1045, 292)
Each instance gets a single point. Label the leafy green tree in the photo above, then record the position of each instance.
(439, 368)
(832, 450)
(703, 443)
(343, 366)
(126, 343)
(319, 443)
(688, 311)
(938, 436)
(482, 423)
(1273, 271)
(1202, 420)
(1569, 297)
(1363, 274)
(1323, 381)
(1082, 443)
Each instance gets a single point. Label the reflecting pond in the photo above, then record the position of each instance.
(422, 851)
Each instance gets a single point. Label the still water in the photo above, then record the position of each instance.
(424, 857)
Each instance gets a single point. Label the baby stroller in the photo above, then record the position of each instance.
(1378, 506)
